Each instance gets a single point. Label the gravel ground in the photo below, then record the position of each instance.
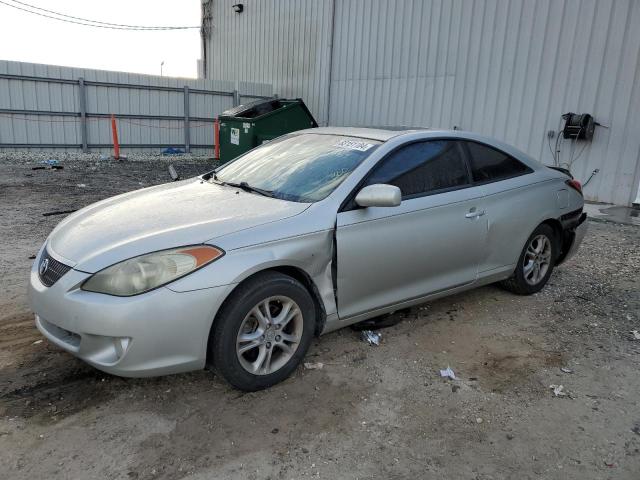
(34, 158)
(370, 412)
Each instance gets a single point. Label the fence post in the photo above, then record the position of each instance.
(114, 136)
(236, 98)
(187, 133)
(216, 139)
(82, 95)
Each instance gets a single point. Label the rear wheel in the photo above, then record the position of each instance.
(263, 331)
(536, 262)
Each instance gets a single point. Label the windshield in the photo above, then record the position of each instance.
(300, 168)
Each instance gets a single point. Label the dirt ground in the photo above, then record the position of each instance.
(371, 412)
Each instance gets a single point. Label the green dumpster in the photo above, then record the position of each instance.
(247, 126)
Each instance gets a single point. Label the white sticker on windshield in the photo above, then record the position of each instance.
(354, 144)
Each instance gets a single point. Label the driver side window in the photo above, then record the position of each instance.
(423, 168)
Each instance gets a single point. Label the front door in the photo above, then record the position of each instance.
(432, 242)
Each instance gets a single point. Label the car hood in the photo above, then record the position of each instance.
(166, 216)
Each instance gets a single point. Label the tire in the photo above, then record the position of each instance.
(253, 349)
(525, 280)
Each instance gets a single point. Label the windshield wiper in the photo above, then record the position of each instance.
(248, 188)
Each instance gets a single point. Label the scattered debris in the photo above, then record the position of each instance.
(370, 336)
(313, 366)
(448, 373)
(32, 257)
(51, 163)
(37, 342)
(455, 388)
(510, 436)
(172, 151)
(81, 185)
(635, 334)
(566, 370)
(275, 430)
(479, 420)
(558, 390)
(58, 212)
(175, 176)
(636, 428)
(610, 465)
(104, 157)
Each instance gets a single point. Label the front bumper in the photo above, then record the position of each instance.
(155, 333)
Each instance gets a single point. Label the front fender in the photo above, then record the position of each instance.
(311, 253)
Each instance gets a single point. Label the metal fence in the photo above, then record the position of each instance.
(47, 107)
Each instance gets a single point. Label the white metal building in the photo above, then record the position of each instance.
(506, 68)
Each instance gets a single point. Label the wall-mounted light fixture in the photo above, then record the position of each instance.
(238, 8)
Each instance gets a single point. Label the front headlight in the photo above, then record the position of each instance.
(146, 272)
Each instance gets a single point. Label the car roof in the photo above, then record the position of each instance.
(387, 133)
(381, 134)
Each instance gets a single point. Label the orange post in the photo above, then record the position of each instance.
(216, 139)
(114, 133)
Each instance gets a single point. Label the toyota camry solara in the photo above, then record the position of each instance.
(238, 269)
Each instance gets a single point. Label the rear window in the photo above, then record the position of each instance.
(490, 165)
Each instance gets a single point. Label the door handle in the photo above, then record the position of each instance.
(474, 214)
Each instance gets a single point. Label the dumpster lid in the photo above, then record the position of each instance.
(254, 109)
(261, 107)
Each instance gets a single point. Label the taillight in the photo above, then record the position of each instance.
(575, 184)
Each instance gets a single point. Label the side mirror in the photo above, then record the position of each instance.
(379, 195)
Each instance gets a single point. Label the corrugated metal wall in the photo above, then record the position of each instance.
(125, 102)
(506, 68)
(285, 41)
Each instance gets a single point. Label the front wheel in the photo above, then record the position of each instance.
(535, 264)
(263, 331)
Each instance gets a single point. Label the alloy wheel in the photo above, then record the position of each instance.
(269, 335)
(537, 259)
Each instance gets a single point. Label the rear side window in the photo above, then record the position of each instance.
(424, 167)
(490, 165)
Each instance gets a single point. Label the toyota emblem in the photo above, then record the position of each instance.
(44, 266)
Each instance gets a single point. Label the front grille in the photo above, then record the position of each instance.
(52, 271)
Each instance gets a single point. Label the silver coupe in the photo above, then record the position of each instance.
(239, 268)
